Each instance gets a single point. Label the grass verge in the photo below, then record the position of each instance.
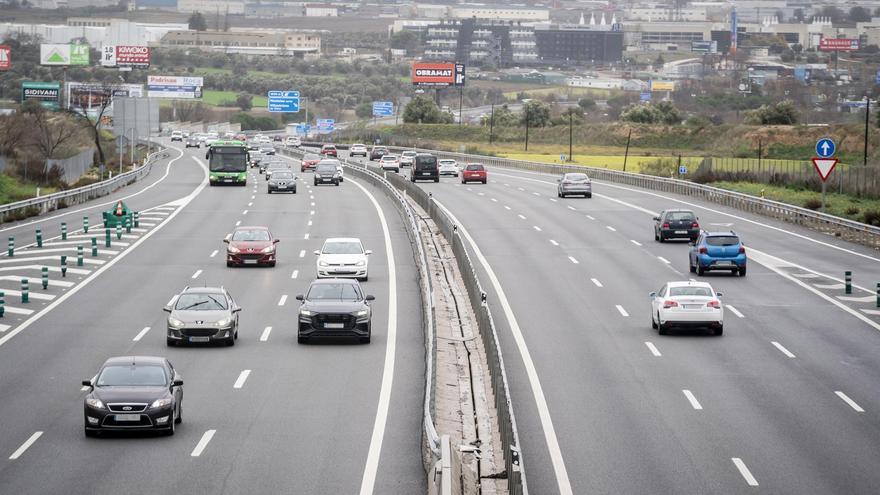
(217, 98)
(12, 190)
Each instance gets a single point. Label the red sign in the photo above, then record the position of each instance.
(438, 74)
(5, 57)
(824, 166)
(838, 45)
(132, 56)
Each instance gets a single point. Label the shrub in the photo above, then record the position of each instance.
(852, 210)
(663, 167)
(871, 217)
(813, 204)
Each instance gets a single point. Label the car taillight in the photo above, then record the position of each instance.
(695, 225)
(703, 250)
(714, 304)
(669, 304)
(666, 225)
(742, 250)
(566, 182)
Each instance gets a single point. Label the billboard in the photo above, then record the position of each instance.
(64, 54)
(47, 93)
(181, 87)
(662, 86)
(5, 57)
(704, 46)
(838, 44)
(442, 74)
(137, 57)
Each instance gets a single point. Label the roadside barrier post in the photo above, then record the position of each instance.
(79, 255)
(847, 277)
(878, 294)
(39, 238)
(118, 231)
(11, 250)
(2, 303)
(94, 246)
(85, 225)
(24, 290)
(45, 278)
(136, 219)
(63, 231)
(63, 265)
(128, 225)
(106, 237)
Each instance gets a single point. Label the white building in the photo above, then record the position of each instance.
(666, 13)
(96, 31)
(320, 10)
(234, 7)
(499, 13)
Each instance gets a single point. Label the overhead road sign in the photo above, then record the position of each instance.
(438, 74)
(839, 44)
(64, 54)
(326, 125)
(5, 57)
(283, 101)
(383, 108)
(824, 166)
(125, 56)
(825, 148)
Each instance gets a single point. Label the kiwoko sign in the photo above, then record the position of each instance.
(437, 74)
(125, 56)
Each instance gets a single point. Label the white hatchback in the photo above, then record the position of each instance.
(686, 304)
(343, 257)
(448, 167)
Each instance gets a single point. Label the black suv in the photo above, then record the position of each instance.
(425, 168)
(676, 224)
(334, 307)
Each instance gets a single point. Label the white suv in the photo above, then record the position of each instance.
(343, 257)
(407, 158)
(448, 166)
(293, 142)
(357, 149)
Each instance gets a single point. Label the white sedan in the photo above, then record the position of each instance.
(407, 158)
(343, 257)
(448, 166)
(390, 163)
(357, 150)
(686, 305)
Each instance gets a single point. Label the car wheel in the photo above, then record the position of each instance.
(662, 328)
(365, 340)
(653, 323)
(170, 342)
(364, 279)
(270, 264)
(230, 341)
(661, 238)
(301, 340)
(294, 190)
(170, 431)
(179, 418)
(90, 433)
(589, 195)
(692, 268)
(228, 264)
(700, 270)
(484, 182)
(464, 182)
(719, 331)
(656, 237)
(437, 179)
(268, 191)
(316, 183)
(742, 272)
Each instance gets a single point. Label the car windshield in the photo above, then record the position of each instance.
(329, 148)
(389, 158)
(342, 247)
(576, 177)
(334, 292)
(447, 162)
(200, 302)
(474, 167)
(690, 291)
(275, 165)
(282, 175)
(676, 216)
(311, 156)
(409, 153)
(132, 376)
(326, 168)
(251, 235)
(722, 240)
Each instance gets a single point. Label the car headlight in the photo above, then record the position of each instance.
(305, 312)
(323, 263)
(362, 312)
(161, 403)
(224, 322)
(361, 263)
(233, 250)
(93, 402)
(269, 249)
(174, 322)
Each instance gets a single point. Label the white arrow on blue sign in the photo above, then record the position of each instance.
(283, 101)
(383, 108)
(825, 148)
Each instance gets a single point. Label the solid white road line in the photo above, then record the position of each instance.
(564, 484)
(621, 310)
(664, 260)
(612, 229)
(241, 379)
(573, 260)
(521, 216)
(554, 242)
(849, 401)
(282, 300)
(294, 274)
(200, 447)
(302, 253)
(536, 228)
(735, 311)
(653, 349)
(637, 243)
(265, 335)
(197, 273)
(744, 471)
(372, 465)
(693, 400)
(596, 281)
(30, 441)
(782, 349)
(214, 253)
(141, 334)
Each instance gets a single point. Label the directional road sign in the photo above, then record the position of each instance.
(303, 129)
(383, 108)
(284, 101)
(824, 166)
(326, 125)
(825, 148)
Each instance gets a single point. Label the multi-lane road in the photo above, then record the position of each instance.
(265, 416)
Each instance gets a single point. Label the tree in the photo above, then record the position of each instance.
(663, 112)
(364, 110)
(502, 117)
(51, 131)
(537, 112)
(587, 103)
(798, 15)
(197, 22)
(422, 110)
(90, 109)
(405, 40)
(835, 14)
(244, 101)
(859, 14)
(782, 113)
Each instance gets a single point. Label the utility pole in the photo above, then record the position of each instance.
(867, 124)
(491, 122)
(626, 153)
(570, 134)
(760, 152)
(460, 99)
(527, 126)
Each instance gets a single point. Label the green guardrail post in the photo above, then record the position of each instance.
(39, 238)
(85, 225)
(63, 231)
(137, 220)
(847, 277)
(11, 247)
(45, 277)
(2, 304)
(118, 231)
(94, 246)
(24, 291)
(79, 255)
(63, 265)
(128, 225)
(107, 237)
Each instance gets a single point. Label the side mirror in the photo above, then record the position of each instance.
(370, 298)
(177, 383)
(368, 252)
(656, 219)
(276, 241)
(558, 180)
(652, 294)
(207, 156)
(719, 294)
(87, 383)
(300, 297)
(167, 309)
(236, 309)
(226, 241)
(317, 252)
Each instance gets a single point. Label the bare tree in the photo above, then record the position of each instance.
(49, 132)
(90, 107)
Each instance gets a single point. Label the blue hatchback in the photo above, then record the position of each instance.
(717, 251)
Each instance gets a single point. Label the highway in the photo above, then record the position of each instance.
(265, 416)
(785, 402)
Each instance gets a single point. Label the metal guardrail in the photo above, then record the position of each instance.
(64, 199)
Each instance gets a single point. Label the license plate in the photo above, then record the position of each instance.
(334, 325)
(281, 187)
(693, 306)
(723, 263)
(128, 417)
(227, 180)
(200, 339)
(426, 173)
(250, 262)
(681, 231)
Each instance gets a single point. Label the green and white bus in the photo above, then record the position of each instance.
(227, 162)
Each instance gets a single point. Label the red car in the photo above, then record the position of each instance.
(310, 161)
(328, 150)
(250, 246)
(473, 172)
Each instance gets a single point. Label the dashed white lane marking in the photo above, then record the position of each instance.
(203, 442)
(692, 399)
(245, 212)
(554, 242)
(506, 185)
(197, 273)
(306, 236)
(591, 217)
(253, 197)
(782, 349)
(494, 200)
(612, 229)
(30, 441)
(311, 212)
(653, 349)
(294, 274)
(637, 243)
(572, 208)
(661, 258)
(573, 260)
(282, 300)
(521, 216)
(313, 204)
(536, 194)
(621, 310)
(238, 223)
(310, 223)
(481, 194)
(553, 199)
(849, 401)
(596, 282)
(141, 334)
(735, 311)
(214, 253)
(265, 335)
(744, 471)
(251, 203)
(241, 379)
(506, 207)
(521, 189)
(857, 299)
(302, 253)
(536, 228)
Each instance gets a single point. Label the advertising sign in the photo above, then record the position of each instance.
(182, 87)
(64, 54)
(383, 108)
(704, 46)
(438, 74)
(662, 86)
(838, 44)
(283, 101)
(137, 57)
(5, 57)
(47, 93)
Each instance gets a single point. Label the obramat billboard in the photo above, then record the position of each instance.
(438, 74)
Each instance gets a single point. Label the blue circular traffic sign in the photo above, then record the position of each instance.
(825, 148)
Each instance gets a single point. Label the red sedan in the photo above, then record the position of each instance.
(250, 246)
(473, 172)
(328, 150)
(310, 161)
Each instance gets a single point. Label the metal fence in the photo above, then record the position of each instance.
(74, 167)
